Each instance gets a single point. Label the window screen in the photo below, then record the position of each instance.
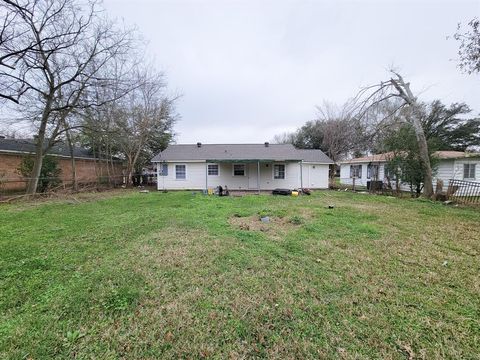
(279, 171)
(469, 171)
(355, 171)
(238, 169)
(163, 170)
(180, 172)
(213, 169)
(372, 171)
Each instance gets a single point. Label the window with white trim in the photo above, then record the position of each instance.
(356, 171)
(238, 169)
(212, 169)
(279, 171)
(180, 172)
(163, 170)
(469, 171)
(372, 171)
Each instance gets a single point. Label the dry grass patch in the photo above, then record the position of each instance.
(277, 225)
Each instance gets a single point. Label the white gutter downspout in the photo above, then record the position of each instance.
(258, 177)
(206, 177)
(301, 175)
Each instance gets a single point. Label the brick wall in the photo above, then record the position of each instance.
(87, 171)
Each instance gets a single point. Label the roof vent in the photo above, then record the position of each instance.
(199, 144)
(267, 144)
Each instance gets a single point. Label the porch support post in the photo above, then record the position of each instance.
(206, 177)
(258, 177)
(301, 175)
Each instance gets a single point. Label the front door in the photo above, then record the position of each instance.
(252, 176)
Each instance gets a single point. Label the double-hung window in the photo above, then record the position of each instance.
(238, 169)
(356, 171)
(180, 172)
(212, 169)
(372, 171)
(279, 171)
(163, 170)
(469, 171)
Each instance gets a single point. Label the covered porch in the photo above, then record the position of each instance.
(253, 175)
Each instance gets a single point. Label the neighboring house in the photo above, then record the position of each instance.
(241, 167)
(88, 168)
(451, 165)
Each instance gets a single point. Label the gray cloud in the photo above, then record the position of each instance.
(250, 69)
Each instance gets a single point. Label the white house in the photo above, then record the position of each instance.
(241, 167)
(451, 165)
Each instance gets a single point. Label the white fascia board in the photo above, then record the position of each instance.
(178, 161)
(316, 163)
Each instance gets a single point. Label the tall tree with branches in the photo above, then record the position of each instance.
(134, 127)
(143, 120)
(61, 47)
(396, 87)
(335, 131)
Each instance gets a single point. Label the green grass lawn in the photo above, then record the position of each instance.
(176, 275)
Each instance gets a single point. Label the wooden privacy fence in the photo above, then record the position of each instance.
(463, 191)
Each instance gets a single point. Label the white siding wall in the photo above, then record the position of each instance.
(445, 170)
(458, 169)
(267, 182)
(194, 179)
(347, 180)
(315, 176)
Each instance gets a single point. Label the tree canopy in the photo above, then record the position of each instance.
(446, 129)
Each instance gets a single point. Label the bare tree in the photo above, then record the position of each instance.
(335, 131)
(143, 119)
(135, 126)
(396, 87)
(12, 28)
(284, 138)
(61, 47)
(343, 133)
(469, 47)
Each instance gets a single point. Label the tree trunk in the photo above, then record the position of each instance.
(72, 159)
(424, 157)
(37, 168)
(405, 92)
(38, 160)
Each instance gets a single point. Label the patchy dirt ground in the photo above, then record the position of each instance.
(276, 226)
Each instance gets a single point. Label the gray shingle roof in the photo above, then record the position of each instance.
(240, 152)
(28, 146)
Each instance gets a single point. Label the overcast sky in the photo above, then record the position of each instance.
(248, 70)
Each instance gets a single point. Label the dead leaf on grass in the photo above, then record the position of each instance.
(407, 349)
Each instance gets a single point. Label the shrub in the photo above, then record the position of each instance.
(49, 174)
